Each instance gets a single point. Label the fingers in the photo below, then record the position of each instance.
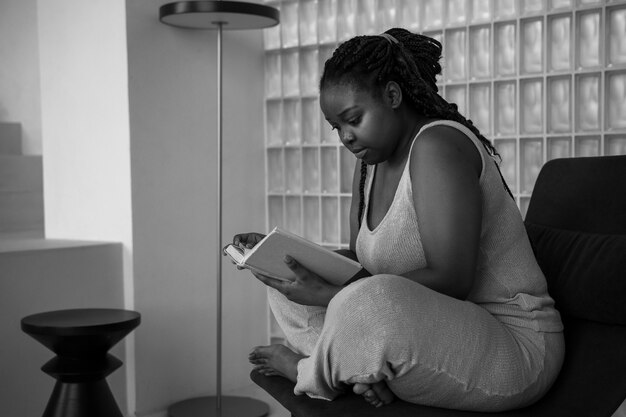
(248, 240)
(271, 282)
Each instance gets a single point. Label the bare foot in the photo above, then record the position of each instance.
(276, 360)
(377, 394)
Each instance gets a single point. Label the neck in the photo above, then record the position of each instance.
(413, 123)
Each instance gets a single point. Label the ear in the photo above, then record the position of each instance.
(393, 94)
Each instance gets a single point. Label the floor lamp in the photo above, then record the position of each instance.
(220, 16)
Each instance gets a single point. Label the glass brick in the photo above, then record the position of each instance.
(588, 102)
(559, 40)
(507, 149)
(532, 6)
(433, 14)
(310, 121)
(524, 202)
(311, 170)
(273, 75)
(531, 105)
(588, 39)
(617, 36)
(345, 220)
(481, 10)
(480, 52)
(410, 15)
(271, 36)
(324, 54)
(588, 2)
(455, 53)
(327, 21)
(290, 73)
(505, 49)
(366, 17)
(587, 146)
(559, 147)
(330, 220)
(346, 19)
(308, 22)
(348, 162)
(330, 176)
(615, 144)
(293, 181)
(457, 94)
(531, 161)
(275, 213)
(457, 12)
(505, 9)
(480, 106)
(532, 46)
(289, 24)
(274, 126)
(275, 174)
(560, 4)
(559, 104)
(311, 219)
(616, 100)
(309, 75)
(291, 122)
(387, 14)
(505, 108)
(293, 215)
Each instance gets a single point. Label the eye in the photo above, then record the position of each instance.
(355, 121)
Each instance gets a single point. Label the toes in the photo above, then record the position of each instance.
(383, 392)
(360, 389)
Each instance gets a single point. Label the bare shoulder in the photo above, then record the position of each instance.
(448, 147)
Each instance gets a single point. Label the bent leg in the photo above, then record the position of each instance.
(429, 348)
(301, 324)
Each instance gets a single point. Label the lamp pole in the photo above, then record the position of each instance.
(218, 15)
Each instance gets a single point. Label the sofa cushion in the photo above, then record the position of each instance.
(586, 272)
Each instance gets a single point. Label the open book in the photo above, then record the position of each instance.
(267, 258)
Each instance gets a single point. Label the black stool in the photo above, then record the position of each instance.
(81, 339)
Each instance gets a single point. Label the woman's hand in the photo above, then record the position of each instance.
(247, 240)
(307, 289)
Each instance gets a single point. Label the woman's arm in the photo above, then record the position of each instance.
(445, 168)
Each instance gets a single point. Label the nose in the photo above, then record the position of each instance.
(346, 136)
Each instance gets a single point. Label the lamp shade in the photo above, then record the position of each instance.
(231, 15)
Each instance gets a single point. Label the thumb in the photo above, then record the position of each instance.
(294, 266)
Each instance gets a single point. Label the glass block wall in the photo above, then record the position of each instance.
(541, 79)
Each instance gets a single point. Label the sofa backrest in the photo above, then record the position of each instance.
(576, 222)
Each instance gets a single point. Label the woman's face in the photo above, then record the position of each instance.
(366, 125)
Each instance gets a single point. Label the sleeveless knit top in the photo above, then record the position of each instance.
(508, 283)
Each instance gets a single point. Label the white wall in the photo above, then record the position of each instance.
(19, 70)
(172, 86)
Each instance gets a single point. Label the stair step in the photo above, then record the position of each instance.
(21, 173)
(10, 138)
(21, 211)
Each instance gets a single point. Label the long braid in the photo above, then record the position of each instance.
(412, 62)
(362, 191)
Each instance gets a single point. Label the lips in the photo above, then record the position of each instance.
(360, 153)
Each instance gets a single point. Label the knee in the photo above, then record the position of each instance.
(364, 296)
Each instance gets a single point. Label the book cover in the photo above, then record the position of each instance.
(267, 258)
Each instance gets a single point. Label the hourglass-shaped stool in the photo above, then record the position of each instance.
(81, 339)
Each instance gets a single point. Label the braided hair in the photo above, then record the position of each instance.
(409, 59)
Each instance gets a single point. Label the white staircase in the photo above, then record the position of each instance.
(38, 274)
(21, 187)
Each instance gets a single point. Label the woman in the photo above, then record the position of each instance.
(456, 313)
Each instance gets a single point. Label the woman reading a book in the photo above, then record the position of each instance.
(456, 312)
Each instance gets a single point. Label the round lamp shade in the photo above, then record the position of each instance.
(231, 15)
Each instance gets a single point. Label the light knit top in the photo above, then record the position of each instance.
(508, 282)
